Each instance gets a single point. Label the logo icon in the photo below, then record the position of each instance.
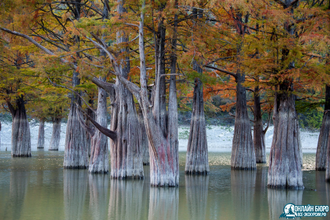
(288, 211)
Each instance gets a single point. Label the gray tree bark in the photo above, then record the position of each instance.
(258, 130)
(321, 153)
(285, 154)
(20, 138)
(143, 140)
(242, 154)
(197, 150)
(56, 135)
(327, 171)
(41, 135)
(99, 159)
(75, 153)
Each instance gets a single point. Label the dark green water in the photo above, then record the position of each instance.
(38, 188)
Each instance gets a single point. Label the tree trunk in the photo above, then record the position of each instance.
(321, 153)
(56, 135)
(258, 132)
(143, 140)
(197, 151)
(0, 135)
(99, 160)
(242, 154)
(285, 155)
(20, 139)
(75, 153)
(41, 135)
(327, 172)
(196, 194)
(89, 124)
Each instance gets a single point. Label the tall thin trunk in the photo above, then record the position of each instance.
(143, 140)
(99, 159)
(285, 155)
(258, 132)
(321, 153)
(20, 138)
(89, 124)
(242, 154)
(197, 151)
(75, 153)
(327, 168)
(41, 135)
(0, 135)
(56, 135)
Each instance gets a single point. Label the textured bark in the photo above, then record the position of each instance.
(277, 199)
(258, 131)
(285, 155)
(242, 154)
(162, 131)
(41, 135)
(99, 159)
(56, 135)
(75, 184)
(243, 191)
(75, 153)
(196, 194)
(20, 139)
(126, 199)
(89, 124)
(197, 150)
(321, 153)
(163, 203)
(125, 150)
(99, 192)
(143, 140)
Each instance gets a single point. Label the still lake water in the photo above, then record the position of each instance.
(38, 188)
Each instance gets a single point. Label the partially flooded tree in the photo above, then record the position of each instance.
(41, 135)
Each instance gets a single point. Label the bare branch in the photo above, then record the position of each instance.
(90, 130)
(221, 70)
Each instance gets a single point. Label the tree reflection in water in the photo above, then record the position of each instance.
(98, 192)
(75, 189)
(278, 198)
(126, 200)
(163, 203)
(196, 194)
(243, 192)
